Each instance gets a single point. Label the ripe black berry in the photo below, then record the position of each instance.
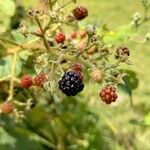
(122, 51)
(71, 83)
(108, 94)
(80, 12)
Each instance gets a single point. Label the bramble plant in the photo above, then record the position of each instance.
(60, 55)
(50, 60)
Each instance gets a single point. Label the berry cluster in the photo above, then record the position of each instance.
(108, 94)
(27, 81)
(80, 12)
(71, 83)
(40, 79)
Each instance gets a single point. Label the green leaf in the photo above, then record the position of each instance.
(7, 10)
(5, 138)
(131, 83)
(6, 6)
(6, 64)
(19, 139)
(131, 80)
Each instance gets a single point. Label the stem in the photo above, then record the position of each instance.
(43, 33)
(87, 48)
(11, 90)
(87, 62)
(47, 26)
(50, 5)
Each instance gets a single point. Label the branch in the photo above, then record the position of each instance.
(43, 33)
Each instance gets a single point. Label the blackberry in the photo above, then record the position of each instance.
(71, 83)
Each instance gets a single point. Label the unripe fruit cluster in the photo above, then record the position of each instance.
(27, 81)
(108, 94)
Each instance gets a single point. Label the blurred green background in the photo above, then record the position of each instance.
(117, 127)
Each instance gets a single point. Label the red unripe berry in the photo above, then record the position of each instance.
(108, 94)
(6, 107)
(40, 79)
(60, 37)
(77, 67)
(80, 12)
(73, 35)
(26, 81)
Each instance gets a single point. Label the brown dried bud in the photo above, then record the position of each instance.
(97, 75)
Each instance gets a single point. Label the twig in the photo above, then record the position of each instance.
(43, 33)
(11, 90)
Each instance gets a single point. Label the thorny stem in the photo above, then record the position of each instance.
(11, 90)
(47, 26)
(50, 5)
(86, 62)
(43, 33)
